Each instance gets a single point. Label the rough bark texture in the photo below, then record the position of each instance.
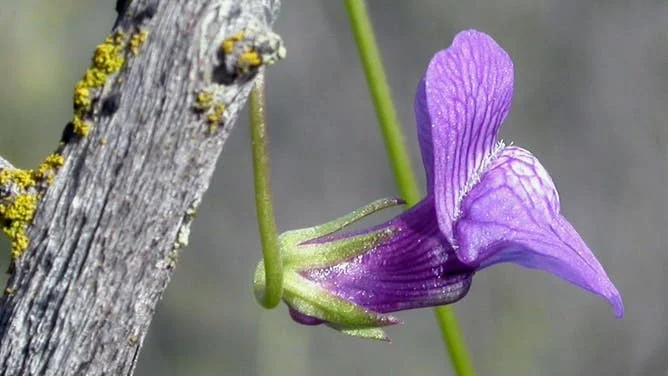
(106, 233)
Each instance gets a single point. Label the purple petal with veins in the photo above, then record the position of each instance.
(465, 97)
(512, 215)
(415, 268)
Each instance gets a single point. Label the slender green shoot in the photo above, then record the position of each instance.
(382, 101)
(266, 221)
(454, 342)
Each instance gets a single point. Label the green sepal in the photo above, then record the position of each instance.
(290, 240)
(299, 251)
(377, 334)
(310, 299)
(321, 255)
(297, 255)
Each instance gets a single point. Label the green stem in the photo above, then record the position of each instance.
(452, 336)
(382, 101)
(401, 167)
(273, 267)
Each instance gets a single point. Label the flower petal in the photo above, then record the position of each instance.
(464, 97)
(512, 215)
(423, 121)
(415, 268)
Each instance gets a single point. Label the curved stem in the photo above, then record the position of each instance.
(273, 267)
(401, 167)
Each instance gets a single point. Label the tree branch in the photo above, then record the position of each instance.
(138, 157)
(4, 164)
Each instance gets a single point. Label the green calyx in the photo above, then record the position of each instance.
(310, 248)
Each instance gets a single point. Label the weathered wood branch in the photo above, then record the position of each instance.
(138, 157)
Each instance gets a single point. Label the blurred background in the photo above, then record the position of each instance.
(591, 101)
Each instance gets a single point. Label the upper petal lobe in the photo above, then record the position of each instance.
(461, 102)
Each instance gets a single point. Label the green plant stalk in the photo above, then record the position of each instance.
(401, 167)
(273, 267)
(382, 101)
(452, 336)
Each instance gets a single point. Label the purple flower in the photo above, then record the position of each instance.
(487, 203)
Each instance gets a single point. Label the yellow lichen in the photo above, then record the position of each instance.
(17, 211)
(249, 59)
(81, 96)
(54, 161)
(47, 169)
(118, 38)
(107, 58)
(19, 243)
(23, 178)
(203, 100)
(215, 117)
(137, 40)
(80, 127)
(93, 77)
(247, 50)
(13, 229)
(228, 44)
(16, 215)
(21, 209)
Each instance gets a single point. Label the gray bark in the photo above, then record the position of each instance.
(106, 234)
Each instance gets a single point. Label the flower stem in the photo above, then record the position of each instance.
(266, 221)
(452, 336)
(401, 167)
(382, 101)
